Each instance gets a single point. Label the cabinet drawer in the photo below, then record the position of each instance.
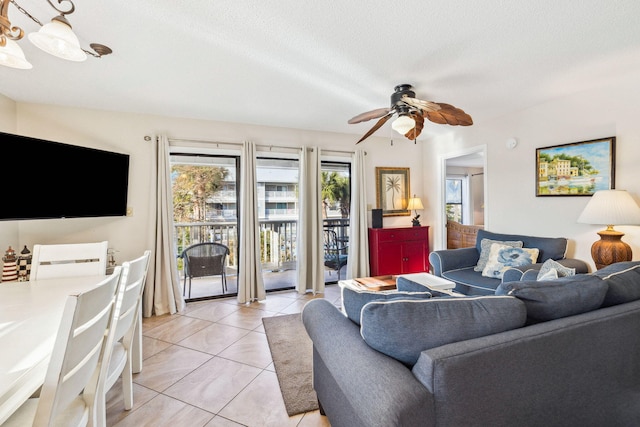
(402, 234)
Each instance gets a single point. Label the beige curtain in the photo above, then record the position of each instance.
(250, 282)
(358, 261)
(310, 250)
(162, 292)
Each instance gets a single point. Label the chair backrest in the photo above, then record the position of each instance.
(79, 347)
(205, 259)
(66, 260)
(330, 240)
(133, 277)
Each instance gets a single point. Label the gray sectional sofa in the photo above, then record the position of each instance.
(461, 265)
(564, 352)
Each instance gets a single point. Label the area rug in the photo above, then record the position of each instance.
(292, 352)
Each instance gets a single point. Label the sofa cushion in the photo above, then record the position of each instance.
(548, 247)
(623, 279)
(560, 269)
(472, 279)
(503, 257)
(403, 328)
(553, 299)
(485, 250)
(354, 299)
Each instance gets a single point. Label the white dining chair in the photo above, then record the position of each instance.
(66, 260)
(68, 395)
(119, 361)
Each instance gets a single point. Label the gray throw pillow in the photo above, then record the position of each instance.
(558, 298)
(485, 244)
(623, 280)
(555, 265)
(354, 299)
(402, 329)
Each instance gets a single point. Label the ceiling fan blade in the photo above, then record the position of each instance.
(450, 115)
(415, 132)
(420, 104)
(373, 114)
(376, 127)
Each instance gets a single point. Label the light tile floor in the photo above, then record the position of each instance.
(211, 366)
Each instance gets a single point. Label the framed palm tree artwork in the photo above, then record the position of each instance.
(392, 190)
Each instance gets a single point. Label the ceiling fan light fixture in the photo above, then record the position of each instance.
(58, 39)
(403, 124)
(11, 55)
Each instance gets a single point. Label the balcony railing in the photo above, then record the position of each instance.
(278, 239)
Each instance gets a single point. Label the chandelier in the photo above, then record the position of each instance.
(56, 37)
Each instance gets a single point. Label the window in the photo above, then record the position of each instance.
(454, 199)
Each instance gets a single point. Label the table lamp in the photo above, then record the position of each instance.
(414, 204)
(610, 207)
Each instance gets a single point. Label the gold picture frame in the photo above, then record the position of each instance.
(392, 190)
(576, 169)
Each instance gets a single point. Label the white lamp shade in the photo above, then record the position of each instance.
(414, 204)
(611, 207)
(403, 124)
(58, 39)
(11, 55)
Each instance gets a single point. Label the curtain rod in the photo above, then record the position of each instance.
(234, 144)
(239, 144)
(334, 151)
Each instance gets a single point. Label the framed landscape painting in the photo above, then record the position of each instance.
(576, 169)
(392, 190)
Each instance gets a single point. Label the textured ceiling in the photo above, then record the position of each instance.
(314, 65)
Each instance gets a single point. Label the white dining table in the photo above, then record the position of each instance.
(30, 315)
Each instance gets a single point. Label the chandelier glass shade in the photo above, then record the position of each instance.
(12, 56)
(56, 38)
(403, 124)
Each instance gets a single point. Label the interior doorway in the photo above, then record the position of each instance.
(464, 184)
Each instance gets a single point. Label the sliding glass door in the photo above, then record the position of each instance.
(278, 215)
(205, 210)
(336, 204)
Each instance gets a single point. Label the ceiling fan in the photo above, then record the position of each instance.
(411, 113)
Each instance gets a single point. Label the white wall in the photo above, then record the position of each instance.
(125, 133)
(510, 200)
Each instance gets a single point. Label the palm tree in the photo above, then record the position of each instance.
(335, 188)
(393, 185)
(192, 187)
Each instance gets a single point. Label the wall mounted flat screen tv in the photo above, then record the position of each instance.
(45, 179)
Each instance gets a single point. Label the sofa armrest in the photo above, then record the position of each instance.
(453, 259)
(355, 384)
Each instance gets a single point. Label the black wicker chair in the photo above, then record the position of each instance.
(204, 259)
(335, 252)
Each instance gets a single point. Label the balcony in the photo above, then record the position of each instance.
(278, 240)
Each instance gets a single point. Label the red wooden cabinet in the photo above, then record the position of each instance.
(398, 250)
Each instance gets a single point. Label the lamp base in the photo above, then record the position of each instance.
(610, 249)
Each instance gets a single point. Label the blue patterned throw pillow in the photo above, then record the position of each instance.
(503, 257)
(485, 244)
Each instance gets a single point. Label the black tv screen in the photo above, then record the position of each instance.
(45, 179)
